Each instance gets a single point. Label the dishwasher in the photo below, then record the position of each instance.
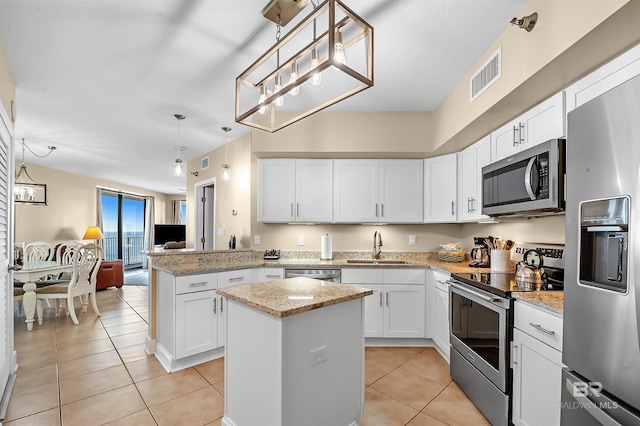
(332, 275)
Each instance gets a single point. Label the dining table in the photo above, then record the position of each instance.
(30, 273)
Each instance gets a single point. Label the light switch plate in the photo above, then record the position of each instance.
(220, 232)
(300, 240)
(256, 240)
(412, 240)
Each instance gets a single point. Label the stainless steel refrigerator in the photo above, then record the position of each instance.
(601, 348)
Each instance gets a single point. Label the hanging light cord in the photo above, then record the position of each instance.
(24, 145)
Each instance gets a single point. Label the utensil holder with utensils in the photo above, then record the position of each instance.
(501, 261)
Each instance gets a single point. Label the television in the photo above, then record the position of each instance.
(165, 233)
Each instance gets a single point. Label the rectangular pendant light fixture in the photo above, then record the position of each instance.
(324, 59)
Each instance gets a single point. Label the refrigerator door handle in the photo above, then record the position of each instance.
(590, 406)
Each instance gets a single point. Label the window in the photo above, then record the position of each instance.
(123, 227)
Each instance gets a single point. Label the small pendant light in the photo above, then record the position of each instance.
(178, 169)
(226, 169)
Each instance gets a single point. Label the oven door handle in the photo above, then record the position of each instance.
(475, 293)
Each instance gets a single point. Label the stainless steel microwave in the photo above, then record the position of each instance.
(528, 183)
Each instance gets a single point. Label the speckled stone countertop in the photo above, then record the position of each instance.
(550, 300)
(187, 262)
(283, 298)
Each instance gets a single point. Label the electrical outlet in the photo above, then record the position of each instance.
(318, 355)
(242, 232)
(412, 240)
(300, 240)
(256, 240)
(220, 232)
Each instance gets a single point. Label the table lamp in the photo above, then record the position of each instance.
(93, 233)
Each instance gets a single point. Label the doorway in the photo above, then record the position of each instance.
(205, 212)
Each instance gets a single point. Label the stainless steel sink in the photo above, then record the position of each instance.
(378, 261)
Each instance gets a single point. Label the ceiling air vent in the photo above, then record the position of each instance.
(486, 75)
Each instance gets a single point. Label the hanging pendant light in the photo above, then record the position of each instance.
(177, 164)
(226, 169)
(29, 192)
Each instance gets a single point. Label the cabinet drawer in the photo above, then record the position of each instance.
(362, 276)
(404, 276)
(229, 278)
(538, 323)
(270, 274)
(193, 283)
(440, 280)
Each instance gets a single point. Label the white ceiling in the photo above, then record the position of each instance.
(101, 79)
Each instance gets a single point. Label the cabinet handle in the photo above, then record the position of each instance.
(380, 299)
(381, 209)
(521, 133)
(514, 359)
(376, 209)
(298, 209)
(387, 303)
(221, 305)
(468, 204)
(198, 284)
(272, 276)
(291, 209)
(236, 279)
(215, 305)
(544, 330)
(453, 206)
(515, 141)
(473, 204)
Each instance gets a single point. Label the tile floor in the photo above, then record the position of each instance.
(98, 373)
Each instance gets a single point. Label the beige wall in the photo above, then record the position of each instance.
(71, 206)
(7, 86)
(231, 195)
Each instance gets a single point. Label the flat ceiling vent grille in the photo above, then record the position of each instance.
(486, 75)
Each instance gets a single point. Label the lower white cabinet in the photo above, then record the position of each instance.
(441, 313)
(228, 279)
(196, 323)
(397, 306)
(537, 367)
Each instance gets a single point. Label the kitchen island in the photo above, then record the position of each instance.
(294, 353)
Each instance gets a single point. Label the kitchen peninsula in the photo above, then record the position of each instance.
(294, 353)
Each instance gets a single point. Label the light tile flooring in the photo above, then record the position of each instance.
(98, 373)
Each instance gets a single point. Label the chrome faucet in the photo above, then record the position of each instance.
(377, 243)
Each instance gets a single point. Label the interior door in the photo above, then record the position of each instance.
(7, 354)
(204, 230)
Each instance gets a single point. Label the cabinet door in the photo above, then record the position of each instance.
(440, 184)
(196, 323)
(404, 311)
(543, 122)
(355, 191)
(401, 191)
(505, 141)
(470, 164)
(221, 309)
(373, 311)
(441, 311)
(537, 381)
(314, 191)
(276, 190)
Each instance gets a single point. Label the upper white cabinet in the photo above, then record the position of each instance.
(440, 184)
(295, 190)
(388, 191)
(541, 123)
(608, 76)
(470, 163)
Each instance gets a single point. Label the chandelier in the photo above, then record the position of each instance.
(324, 59)
(29, 191)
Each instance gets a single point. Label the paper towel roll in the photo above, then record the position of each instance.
(326, 247)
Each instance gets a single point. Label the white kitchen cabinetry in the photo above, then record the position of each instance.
(387, 191)
(440, 310)
(187, 327)
(605, 78)
(295, 190)
(440, 188)
(397, 306)
(541, 123)
(270, 274)
(470, 164)
(537, 366)
(228, 279)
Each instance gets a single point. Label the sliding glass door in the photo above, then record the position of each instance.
(123, 223)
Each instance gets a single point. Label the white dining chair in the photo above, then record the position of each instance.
(86, 263)
(38, 251)
(65, 252)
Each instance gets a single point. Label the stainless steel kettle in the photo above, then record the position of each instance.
(529, 271)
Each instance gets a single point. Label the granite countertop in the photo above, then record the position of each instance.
(283, 298)
(550, 300)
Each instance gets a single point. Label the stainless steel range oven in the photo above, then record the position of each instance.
(480, 328)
